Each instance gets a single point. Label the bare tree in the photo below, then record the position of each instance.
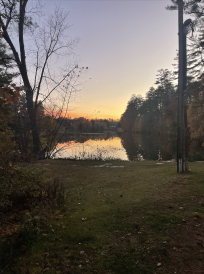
(46, 45)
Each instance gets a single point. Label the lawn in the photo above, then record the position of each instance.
(119, 217)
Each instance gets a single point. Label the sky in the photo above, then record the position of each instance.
(123, 43)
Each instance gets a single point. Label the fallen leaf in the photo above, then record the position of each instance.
(80, 266)
(81, 252)
(47, 268)
(159, 264)
(44, 234)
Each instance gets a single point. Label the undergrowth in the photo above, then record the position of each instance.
(27, 201)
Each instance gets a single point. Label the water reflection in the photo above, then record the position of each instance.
(126, 146)
(149, 146)
(92, 146)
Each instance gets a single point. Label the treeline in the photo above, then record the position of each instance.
(51, 127)
(158, 108)
(81, 124)
(156, 114)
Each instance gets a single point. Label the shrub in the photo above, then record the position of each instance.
(27, 200)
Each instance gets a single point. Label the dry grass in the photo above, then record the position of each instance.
(139, 218)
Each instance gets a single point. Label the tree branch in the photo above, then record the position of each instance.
(56, 86)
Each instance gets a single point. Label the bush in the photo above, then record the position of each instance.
(24, 188)
(27, 200)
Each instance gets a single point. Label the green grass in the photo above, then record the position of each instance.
(121, 220)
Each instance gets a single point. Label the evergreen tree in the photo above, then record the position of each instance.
(6, 65)
(9, 94)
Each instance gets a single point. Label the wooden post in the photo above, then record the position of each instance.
(180, 131)
(185, 99)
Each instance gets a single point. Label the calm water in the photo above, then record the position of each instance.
(126, 146)
(93, 149)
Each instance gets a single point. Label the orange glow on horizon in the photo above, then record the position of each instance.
(94, 116)
(73, 115)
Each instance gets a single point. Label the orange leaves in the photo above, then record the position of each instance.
(10, 94)
(9, 230)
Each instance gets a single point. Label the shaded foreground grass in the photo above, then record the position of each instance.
(135, 219)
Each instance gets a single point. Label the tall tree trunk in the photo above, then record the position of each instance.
(33, 122)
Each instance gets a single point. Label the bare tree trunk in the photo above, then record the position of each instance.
(21, 63)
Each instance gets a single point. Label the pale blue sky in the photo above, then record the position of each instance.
(123, 43)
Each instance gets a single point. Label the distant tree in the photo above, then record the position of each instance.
(144, 115)
(131, 112)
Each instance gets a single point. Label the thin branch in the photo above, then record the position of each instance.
(56, 86)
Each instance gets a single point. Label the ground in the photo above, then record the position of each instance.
(120, 217)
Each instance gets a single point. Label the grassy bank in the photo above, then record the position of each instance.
(120, 217)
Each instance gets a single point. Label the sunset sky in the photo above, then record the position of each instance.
(123, 43)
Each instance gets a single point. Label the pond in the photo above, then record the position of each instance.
(110, 145)
(125, 146)
(93, 149)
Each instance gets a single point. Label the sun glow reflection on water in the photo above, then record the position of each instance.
(91, 149)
